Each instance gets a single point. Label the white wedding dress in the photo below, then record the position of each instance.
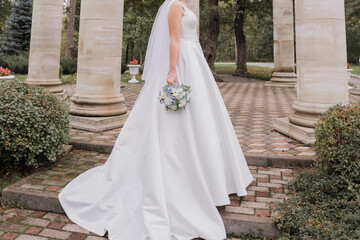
(168, 170)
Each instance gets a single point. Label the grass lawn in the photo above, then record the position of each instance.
(262, 73)
(356, 68)
(71, 79)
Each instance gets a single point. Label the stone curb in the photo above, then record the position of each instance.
(49, 202)
(355, 76)
(263, 160)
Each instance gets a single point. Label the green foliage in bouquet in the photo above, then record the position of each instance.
(34, 126)
(324, 200)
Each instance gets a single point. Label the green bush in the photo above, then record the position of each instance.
(337, 143)
(324, 200)
(16, 63)
(34, 126)
(124, 67)
(68, 65)
(319, 207)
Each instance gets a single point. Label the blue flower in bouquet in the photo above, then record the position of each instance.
(175, 97)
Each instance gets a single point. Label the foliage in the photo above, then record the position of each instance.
(5, 6)
(68, 65)
(34, 126)
(352, 12)
(17, 63)
(338, 143)
(320, 207)
(16, 37)
(325, 200)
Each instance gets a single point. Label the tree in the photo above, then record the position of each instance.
(5, 6)
(70, 30)
(352, 11)
(214, 29)
(16, 37)
(241, 8)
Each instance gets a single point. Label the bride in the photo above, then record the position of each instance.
(168, 170)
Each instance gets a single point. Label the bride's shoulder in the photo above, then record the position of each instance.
(177, 5)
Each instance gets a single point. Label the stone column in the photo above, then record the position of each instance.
(321, 65)
(97, 104)
(284, 65)
(44, 59)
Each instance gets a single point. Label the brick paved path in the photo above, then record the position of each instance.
(268, 187)
(252, 108)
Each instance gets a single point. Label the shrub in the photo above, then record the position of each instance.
(319, 207)
(34, 126)
(68, 65)
(17, 63)
(337, 143)
(124, 67)
(324, 201)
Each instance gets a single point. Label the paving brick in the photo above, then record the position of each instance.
(272, 185)
(9, 236)
(77, 236)
(33, 230)
(56, 225)
(241, 210)
(74, 228)
(252, 205)
(29, 237)
(268, 199)
(36, 222)
(262, 212)
(7, 226)
(52, 233)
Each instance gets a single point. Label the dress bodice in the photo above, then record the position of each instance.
(189, 23)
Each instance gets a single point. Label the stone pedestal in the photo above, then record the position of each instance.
(284, 65)
(97, 97)
(44, 59)
(321, 63)
(355, 91)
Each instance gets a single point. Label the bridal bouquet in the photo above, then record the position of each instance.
(175, 96)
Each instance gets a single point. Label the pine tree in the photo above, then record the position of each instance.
(15, 39)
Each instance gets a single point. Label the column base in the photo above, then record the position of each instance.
(98, 124)
(303, 134)
(355, 91)
(282, 79)
(62, 95)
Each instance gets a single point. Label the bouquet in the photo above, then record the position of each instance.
(175, 96)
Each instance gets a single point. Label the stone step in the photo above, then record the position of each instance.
(39, 191)
(253, 159)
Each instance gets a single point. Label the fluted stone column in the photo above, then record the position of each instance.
(44, 59)
(97, 104)
(284, 63)
(321, 65)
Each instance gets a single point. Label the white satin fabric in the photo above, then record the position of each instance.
(168, 170)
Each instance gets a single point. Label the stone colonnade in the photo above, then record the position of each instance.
(44, 59)
(97, 104)
(321, 65)
(284, 62)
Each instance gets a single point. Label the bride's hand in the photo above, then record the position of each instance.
(171, 77)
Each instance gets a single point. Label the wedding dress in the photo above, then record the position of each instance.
(168, 170)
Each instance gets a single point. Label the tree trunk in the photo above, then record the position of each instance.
(241, 69)
(70, 30)
(214, 29)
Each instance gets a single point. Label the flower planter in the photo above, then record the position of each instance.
(349, 73)
(349, 70)
(134, 70)
(7, 78)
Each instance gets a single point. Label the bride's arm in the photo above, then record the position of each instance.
(176, 12)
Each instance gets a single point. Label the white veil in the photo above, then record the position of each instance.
(156, 63)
